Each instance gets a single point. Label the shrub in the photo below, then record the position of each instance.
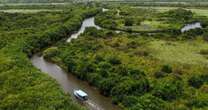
(136, 73)
(107, 84)
(129, 101)
(94, 32)
(193, 33)
(160, 74)
(149, 102)
(114, 60)
(200, 100)
(167, 69)
(121, 70)
(132, 44)
(98, 59)
(94, 79)
(141, 52)
(131, 86)
(168, 88)
(50, 52)
(129, 21)
(204, 88)
(116, 100)
(104, 65)
(204, 52)
(196, 81)
(182, 14)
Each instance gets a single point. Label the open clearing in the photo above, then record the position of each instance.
(199, 11)
(186, 52)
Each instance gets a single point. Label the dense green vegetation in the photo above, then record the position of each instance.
(162, 71)
(23, 86)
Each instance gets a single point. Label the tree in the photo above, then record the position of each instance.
(129, 22)
(50, 52)
(129, 101)
(94, 32)
(166, 69)
(196, 81)
(130, 86)
(200, 100)
(180, 13)
(168, 88)
(114, 60)
(107, 84)
(160, 74)
(149, 102)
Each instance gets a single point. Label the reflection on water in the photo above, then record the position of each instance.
(191, 26)
(69, 83)
(89, 22)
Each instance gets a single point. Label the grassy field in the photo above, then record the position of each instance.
(198, 11)
(184, 52)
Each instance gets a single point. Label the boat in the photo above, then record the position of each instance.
(81, 95)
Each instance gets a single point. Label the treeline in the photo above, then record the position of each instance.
(61, 1)
(160, 0)
(165, 3)
(57, 7)
(34, 1)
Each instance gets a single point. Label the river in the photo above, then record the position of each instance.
(89, 22)
(191, 26)
(69, 82)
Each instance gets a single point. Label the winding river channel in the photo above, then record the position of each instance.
(69, 82)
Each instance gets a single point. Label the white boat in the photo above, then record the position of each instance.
(80, 95)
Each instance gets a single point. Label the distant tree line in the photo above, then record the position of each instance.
(60, 1)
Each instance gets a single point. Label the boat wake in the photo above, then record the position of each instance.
(93, 105)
